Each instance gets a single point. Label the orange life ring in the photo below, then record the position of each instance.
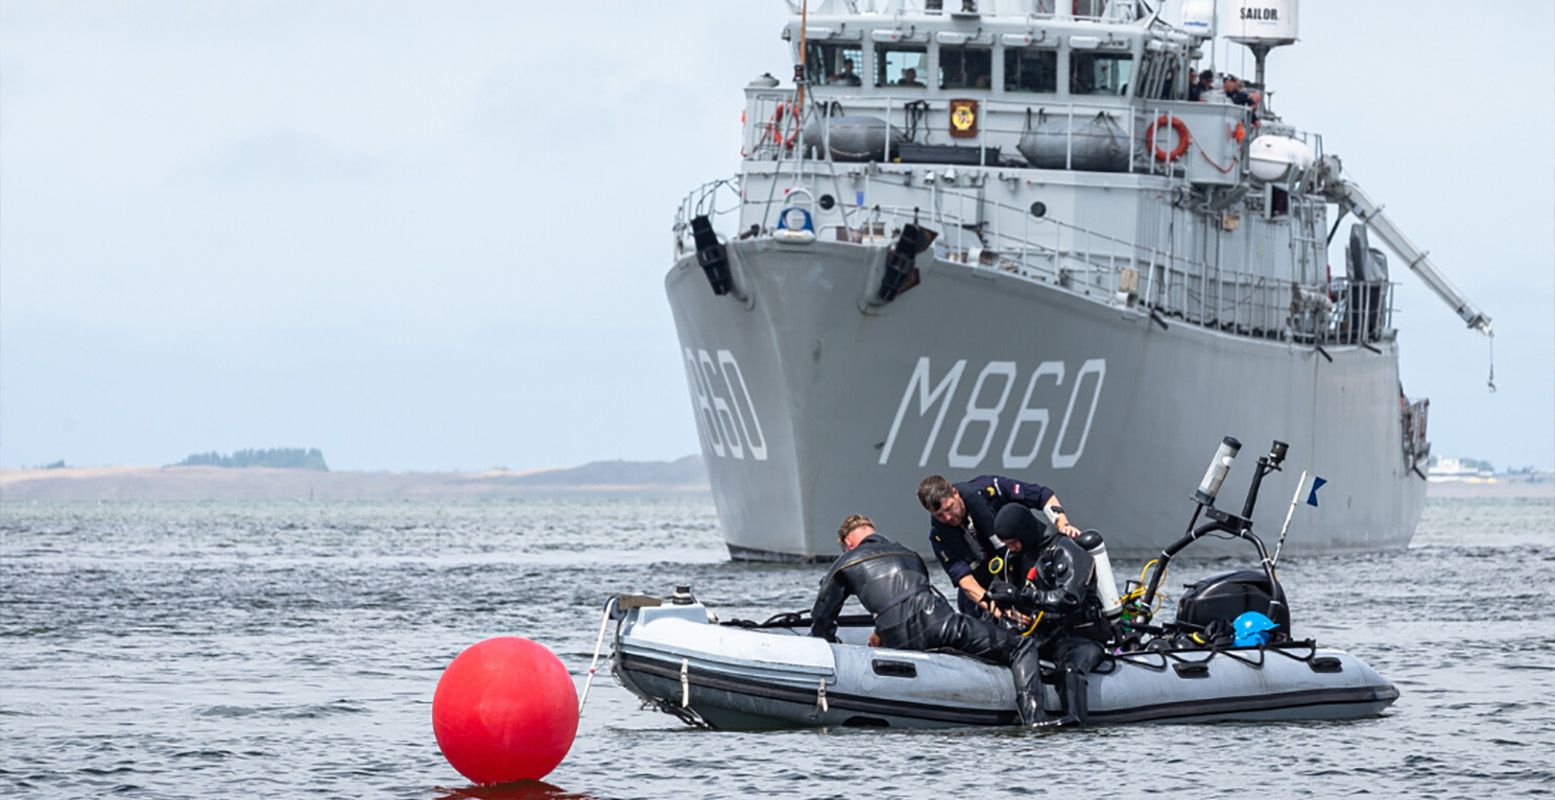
(1178, 127)
(775, 123)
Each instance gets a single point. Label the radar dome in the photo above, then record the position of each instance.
(1267, 22)
(1198, 18)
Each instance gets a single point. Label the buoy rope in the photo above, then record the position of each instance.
(598, 646)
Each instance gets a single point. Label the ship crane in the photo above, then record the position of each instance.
(1273, 24)
(1352, 199)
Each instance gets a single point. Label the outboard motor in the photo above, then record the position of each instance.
(1225, 596)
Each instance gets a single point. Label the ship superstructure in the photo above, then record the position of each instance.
(1004, 237)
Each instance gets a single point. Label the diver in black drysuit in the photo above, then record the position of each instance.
(1053, 574)
(892, 583)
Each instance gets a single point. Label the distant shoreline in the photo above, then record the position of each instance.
(1500, 490)
(96, 484)
(685, 476)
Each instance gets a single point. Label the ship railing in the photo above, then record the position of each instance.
(775, 132)
(981, 233)
(704, 200)
(1361, 313)
(978, 232)
(1082, 10)
(1099, 265)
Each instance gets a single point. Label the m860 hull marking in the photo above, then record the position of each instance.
(727, 420)
(980, 421)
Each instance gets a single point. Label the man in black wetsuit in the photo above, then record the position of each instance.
(963, 525)
(1055, 579)
(892, 583)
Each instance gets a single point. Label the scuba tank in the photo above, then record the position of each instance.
(1106, 585)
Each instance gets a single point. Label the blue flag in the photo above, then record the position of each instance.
(1317, 483)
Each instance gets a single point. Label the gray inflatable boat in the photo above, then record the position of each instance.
(677, 658)
(676, 655)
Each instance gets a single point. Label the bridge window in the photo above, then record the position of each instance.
(1088, 9)
(901, 66)
(1031, 70)
(1100, 73)
(834, 64)
(965, 67)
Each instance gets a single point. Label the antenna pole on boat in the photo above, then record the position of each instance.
(1289, 512)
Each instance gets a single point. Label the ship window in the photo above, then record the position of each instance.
(1100, 73)
(1031, 70)
(901, 66)
(965, 67)
(1087, 9)
(1158, 77)
(834, 64)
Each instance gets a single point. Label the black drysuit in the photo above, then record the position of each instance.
(1056, 576)
(892, 583)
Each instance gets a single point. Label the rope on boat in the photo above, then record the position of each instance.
(598, 646)
(800, 619)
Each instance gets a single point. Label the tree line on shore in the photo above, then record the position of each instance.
(276, 457)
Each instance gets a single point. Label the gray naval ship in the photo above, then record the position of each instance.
(1012, 237)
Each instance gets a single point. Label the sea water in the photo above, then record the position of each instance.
(290, 649)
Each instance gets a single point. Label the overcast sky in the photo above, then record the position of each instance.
(434, 235)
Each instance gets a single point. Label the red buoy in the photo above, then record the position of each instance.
(505, 710)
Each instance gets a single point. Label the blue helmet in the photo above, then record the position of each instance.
(1252, 628)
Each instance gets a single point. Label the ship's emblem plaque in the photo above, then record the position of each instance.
(963, 118)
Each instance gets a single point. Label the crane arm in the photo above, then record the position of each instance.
(1353, 199)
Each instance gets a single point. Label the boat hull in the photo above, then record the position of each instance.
(734, 678)
(812, 403)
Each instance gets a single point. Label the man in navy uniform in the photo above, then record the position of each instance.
(962, 532)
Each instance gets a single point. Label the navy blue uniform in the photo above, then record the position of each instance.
(965, 549)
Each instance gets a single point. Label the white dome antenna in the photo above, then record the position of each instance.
(1261, 25)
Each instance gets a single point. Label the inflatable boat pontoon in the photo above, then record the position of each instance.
(679, 660)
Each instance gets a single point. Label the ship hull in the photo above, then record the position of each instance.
(812, 404)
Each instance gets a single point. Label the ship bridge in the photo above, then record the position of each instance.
(1063, 141)
(1084, 79)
